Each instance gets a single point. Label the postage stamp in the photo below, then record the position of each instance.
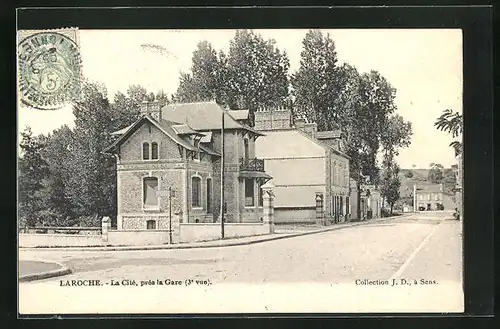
(49, 68)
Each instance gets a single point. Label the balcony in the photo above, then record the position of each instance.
(252, 164)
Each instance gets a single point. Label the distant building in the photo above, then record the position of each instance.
(309, 168)
(433, 197)
(172, 154)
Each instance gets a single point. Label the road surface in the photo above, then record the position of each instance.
(422, 246)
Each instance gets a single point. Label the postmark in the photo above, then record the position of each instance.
(49, 68)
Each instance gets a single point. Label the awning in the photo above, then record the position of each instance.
(254, 174)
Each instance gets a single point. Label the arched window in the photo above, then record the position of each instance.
(196, 191)
(154, 150)
(145, 151)
(150, 189)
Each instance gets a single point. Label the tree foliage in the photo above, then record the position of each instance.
(253, 74)
(451, 122)
(390, 186)
(317, 83)
(205, 82)
(65, 178)
(33, 171)
(436, 173)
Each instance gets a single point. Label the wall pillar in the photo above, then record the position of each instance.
(268, 206)
(319, 208)
(176, 226)
(415, 198)
(105, 225)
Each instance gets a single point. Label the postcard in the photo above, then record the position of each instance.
(239, 171)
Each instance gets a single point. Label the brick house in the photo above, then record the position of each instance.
(172, 155)
(309, 168)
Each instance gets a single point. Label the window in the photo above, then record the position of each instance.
(145, 151)
(150, 185)
(209, 195)
(436, 197)
(154, 151)
(428, 197)
(196, 191)
(151, 224)
(249, 196)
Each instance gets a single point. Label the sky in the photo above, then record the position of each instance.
(424, 65)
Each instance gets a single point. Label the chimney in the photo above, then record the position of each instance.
(311, 129)
(300, 123)
(152, 108)
(272, 118)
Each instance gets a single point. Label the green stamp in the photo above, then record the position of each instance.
(49, 69)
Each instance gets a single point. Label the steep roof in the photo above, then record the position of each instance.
(184, 129)
(239, 114)
(164, 126)
(204, 116)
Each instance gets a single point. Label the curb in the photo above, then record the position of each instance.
(64, 270)
(219, 243)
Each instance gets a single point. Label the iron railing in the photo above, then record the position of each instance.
(252, 164)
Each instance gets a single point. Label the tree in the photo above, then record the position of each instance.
(451, 122)
(390, 189)
(59, 207)
(317, 83)
(33, 170)
(409, 174)
(257, 72)
(204, 83)
(254, 74)
(92, 185)
(435, 173)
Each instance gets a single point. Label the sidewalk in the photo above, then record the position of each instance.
(278, 234)
(30, 270)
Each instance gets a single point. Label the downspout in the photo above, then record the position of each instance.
(186, 189)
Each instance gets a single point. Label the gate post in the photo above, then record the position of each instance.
(319, 208)
(105, 224)
(268, 205)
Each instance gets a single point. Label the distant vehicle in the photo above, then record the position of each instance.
(421, 208)
(456, 214)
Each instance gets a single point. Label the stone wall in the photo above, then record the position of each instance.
(301, 215)
(140, 237)
(212, 231)
(58, 240)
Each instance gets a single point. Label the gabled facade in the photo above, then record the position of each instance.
(169, 161)
(310, 170)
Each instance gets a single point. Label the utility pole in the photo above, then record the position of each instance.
(222, 177)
